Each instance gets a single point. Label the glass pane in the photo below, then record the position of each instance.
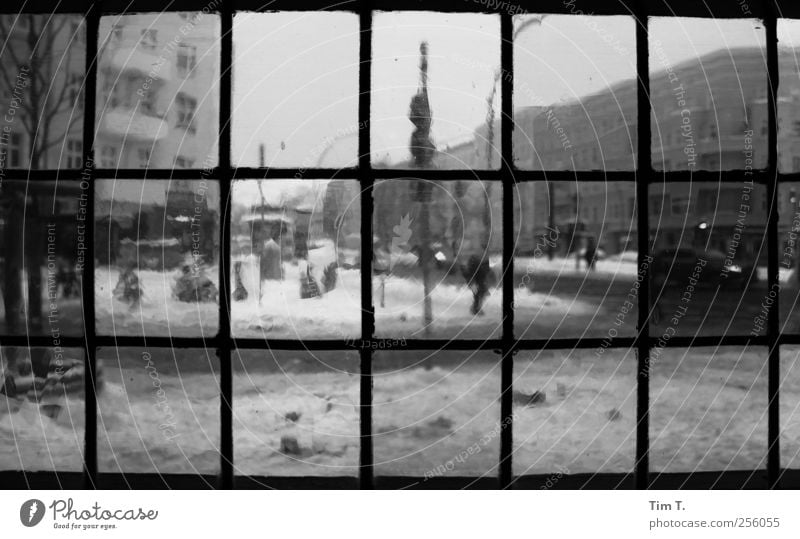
(709, 268)
(157, 250)
(43, 253)
(574, 92)
(436, 414)
(788, 258)
(434, 105)
(158, 411)
(158, 91)
(708, 82)
(295, 89)
(788, 97)
(296, 413)
(438, 258)
(43, 419)
(575, 265)
(295, 250)
(42, 77)
(790, 407)
(574, 411)
(708, 409)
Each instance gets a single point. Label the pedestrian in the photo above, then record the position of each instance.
(476, 272)
(591, 254)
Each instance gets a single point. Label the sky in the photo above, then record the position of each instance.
(295, 82)
(296, 74)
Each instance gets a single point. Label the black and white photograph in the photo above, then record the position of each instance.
(400, 245)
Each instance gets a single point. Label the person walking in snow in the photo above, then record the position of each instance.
(591, 254)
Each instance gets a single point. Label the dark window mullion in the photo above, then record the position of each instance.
(366, 182)
(645, 176)
(225, 177)
(773, 317)
(87, 291)
(507, 177)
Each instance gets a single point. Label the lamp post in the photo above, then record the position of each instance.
(422, 152)
(490, 115)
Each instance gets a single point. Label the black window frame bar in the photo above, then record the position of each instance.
(509, 176)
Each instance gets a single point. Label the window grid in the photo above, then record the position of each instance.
(507, 345)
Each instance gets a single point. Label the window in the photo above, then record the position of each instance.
(143, 155)
(74, 153)
(187, 60)
(183, 162)
(108, 157)
(147, 102)
(186, 107)
(149, 38)
(140, 99)
(15, 150)
(117, 33)
(75, 81)
(375, 360)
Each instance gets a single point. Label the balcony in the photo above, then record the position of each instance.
(144, 63)
(131, 125)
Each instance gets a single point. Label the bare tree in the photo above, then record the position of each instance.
(37, 72)
(44, 47)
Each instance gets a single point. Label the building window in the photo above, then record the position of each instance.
(111, 91)
(108, 157)
(183, 162)
(117, 33)
(147, 102)
(149, 38)
(186, 107)
(144, 157)
(187, 60)
(74, 82)
(15, 150)
(74, 153)
(680, 205)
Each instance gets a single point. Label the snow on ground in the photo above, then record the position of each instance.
(708, 413)
(300, 416)
(158, 312)
(282, 314)
(32, 441)
(159, 413)
(427, 415)
(402, 313)
(295, 415)
(617, 265)
(588, 420)
(790, 407)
